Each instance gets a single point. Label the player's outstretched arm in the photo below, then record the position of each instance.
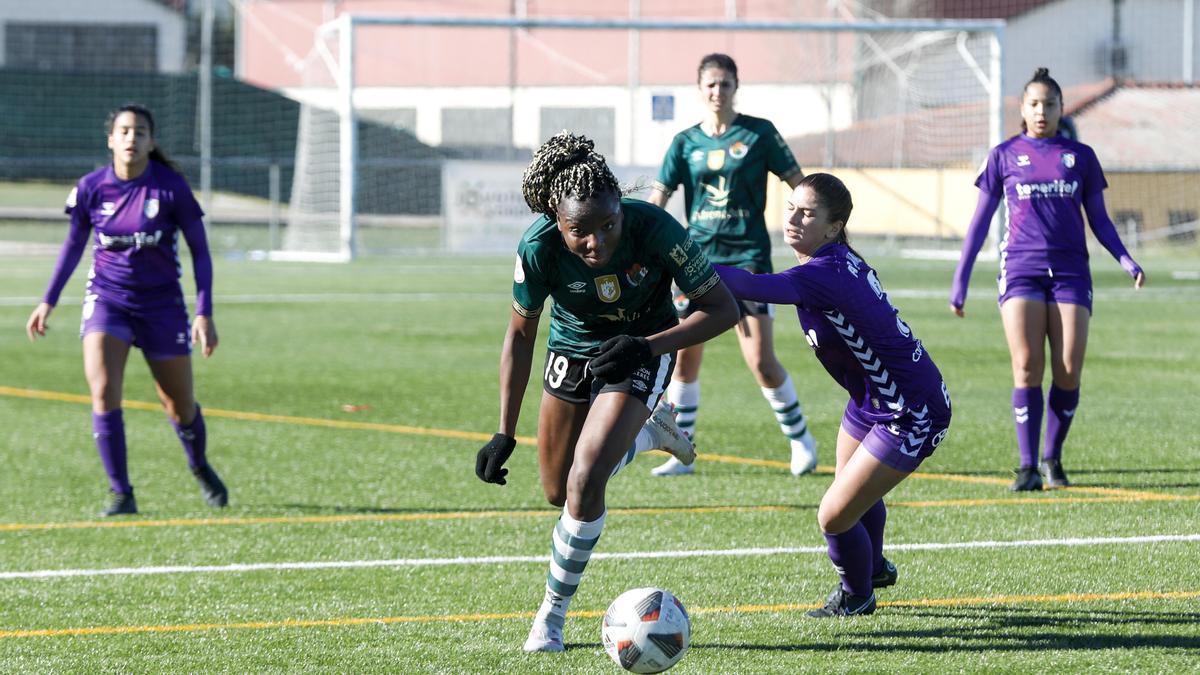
(977, 232)
(1106, 234)
(516, 362)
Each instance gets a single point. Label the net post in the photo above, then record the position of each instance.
(348, 133)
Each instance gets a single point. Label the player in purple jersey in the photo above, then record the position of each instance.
(137, 206)
(1045, 281)
(723, 163)
(608, 265)
(899, 407)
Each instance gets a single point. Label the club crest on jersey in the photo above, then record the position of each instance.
(608, 288)
(738, 150)
(716, 159)
(1068, 159)
(150, 207)
(679, 255)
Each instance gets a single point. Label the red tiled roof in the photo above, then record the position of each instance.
(954, 135)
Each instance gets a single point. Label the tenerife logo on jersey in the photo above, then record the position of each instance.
(608, 288)
(1068, 159)
(716, 159)
(738, 150)
(121, 242)
(150, 207)
(1055, 188)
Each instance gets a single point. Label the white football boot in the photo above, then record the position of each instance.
(545, 636)
(668, 436)
(804, 454)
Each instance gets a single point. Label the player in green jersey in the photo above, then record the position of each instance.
(722, 163)
(608, 263)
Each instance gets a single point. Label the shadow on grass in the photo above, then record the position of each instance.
(1008, 629)
(329, 509)
(1075, 474)
(276, 509)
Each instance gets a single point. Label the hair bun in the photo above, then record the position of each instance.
(1041, 73)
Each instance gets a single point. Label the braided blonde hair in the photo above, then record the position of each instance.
(567, 165)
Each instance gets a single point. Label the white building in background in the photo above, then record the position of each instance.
(92, 35)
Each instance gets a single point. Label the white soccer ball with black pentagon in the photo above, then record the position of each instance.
(646, 630)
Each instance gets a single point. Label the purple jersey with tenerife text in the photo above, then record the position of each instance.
(136, 223)
(1044, 182)
(855, 331)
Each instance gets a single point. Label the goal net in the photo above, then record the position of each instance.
(415, 130)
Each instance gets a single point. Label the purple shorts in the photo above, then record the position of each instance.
(1066, 289)
(905, 442)
(160, 329)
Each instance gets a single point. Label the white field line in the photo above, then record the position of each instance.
(631, 555)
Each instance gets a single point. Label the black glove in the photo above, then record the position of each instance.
(489, 462)
(619, 357)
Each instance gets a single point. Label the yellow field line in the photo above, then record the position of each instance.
(265, 417)
(1114, 494)
(470, 618)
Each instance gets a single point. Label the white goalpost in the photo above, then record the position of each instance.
(896, 71)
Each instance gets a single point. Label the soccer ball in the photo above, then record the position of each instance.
(646, 630)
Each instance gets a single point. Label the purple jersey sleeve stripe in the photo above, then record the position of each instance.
(1106, 233)
(202, 269)
(69, 255)
(985, 208)
(774, 288)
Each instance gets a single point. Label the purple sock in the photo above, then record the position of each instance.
(194, 439)
(850, 552)
(109, 431)
(1027, 417)
(874, 520)
(1062, 404)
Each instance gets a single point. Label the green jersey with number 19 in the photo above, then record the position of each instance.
(629, 295)
(725, 187)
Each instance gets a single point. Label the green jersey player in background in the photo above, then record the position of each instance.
(608, 263)
(722, 163)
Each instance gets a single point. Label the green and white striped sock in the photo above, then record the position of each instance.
(572, 545)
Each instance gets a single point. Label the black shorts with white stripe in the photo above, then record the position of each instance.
(568, 378)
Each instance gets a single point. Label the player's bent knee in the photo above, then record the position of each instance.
(833, 521)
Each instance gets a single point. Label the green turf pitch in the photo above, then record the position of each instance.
(413, 344)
